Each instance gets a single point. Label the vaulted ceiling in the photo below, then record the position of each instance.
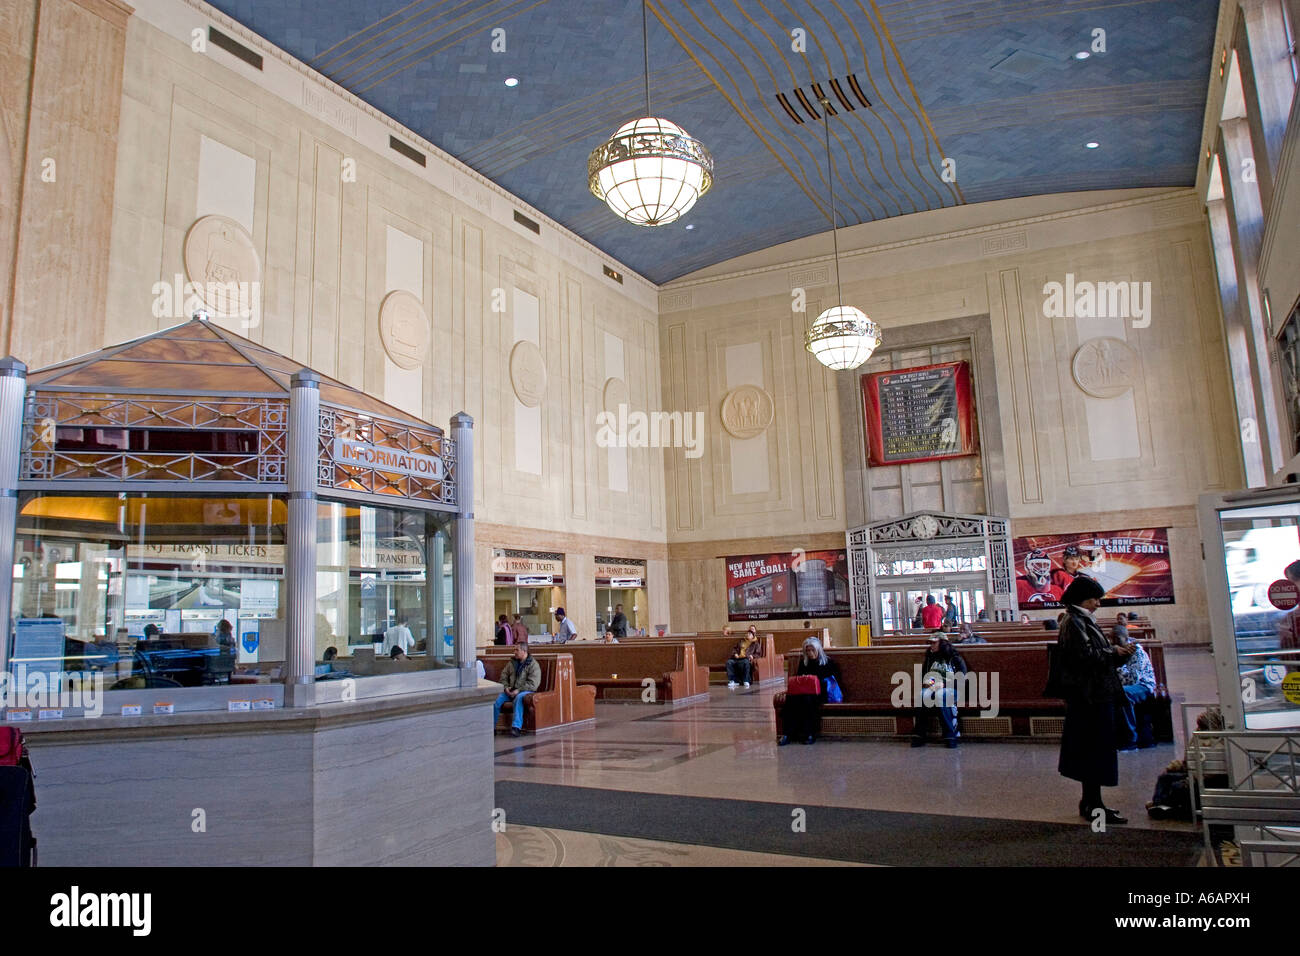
(992, 85)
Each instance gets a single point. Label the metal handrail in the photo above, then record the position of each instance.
(1265, 799)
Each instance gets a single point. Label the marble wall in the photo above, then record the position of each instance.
(521, 330)
(1053, 457)
(60, 96)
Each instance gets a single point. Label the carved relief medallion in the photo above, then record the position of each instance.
(404, 329)
(747, 411)
(527, 373)
(222, 262)
(1105, 367)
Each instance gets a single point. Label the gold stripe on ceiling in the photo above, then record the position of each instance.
(921, 182)
(762, 97)
(888, 102)
(386, 71)
(883, 30)
(811, 154)
(880, 192)
(1008, 14)
(387, 42)
(364, 32)
(830, 71)
(665, 19)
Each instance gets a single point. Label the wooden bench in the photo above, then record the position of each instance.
(867, 682)
(559, 700)
(714, 651)
(671, 666)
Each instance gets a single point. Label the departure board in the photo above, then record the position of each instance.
(918, 414)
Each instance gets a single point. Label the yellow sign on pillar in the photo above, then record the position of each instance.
(864, 635)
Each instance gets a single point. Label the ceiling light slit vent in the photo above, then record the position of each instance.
(814, 93)
(820, 96)
(410, 152)
(857, 91)
(839, 95)
(785, 105)
(527, 223)
(616, 276)
(234, 48)
(806, 105)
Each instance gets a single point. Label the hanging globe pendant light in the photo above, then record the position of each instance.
(842, 337)
(650, 172)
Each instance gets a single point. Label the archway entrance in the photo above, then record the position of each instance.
(895, 562)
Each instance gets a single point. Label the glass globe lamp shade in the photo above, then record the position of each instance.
(842, 338)
(650, 172)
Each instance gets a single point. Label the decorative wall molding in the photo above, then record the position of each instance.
(850, 254)
(674, 301)
(162, 15)
(810, 277)
(1010, 242)
(1180, 210)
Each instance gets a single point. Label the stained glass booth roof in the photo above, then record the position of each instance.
(200, 359)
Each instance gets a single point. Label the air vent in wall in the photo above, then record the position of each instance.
(846, 90)
(234, 48)
(527, 223)
(616, 276)
(410, 152)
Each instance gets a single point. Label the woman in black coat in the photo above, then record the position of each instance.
(801, 716)
(1086, 663)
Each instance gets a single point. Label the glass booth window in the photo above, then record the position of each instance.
(150, 590)
(384, 590)
(1260, 546)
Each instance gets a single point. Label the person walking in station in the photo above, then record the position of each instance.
(931, 614)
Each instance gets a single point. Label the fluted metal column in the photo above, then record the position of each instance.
(462, 430)
(13, 398)
(300, 546)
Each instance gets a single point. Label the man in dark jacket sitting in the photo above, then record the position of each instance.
(520, 677)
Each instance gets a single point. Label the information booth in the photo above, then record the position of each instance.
(206, 534)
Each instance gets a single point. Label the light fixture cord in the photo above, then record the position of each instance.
(830, 175)
(645, 48)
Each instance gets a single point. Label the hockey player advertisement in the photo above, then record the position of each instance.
(1133, 566)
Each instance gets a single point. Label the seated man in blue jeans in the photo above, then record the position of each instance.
(520, 677)
(1139, 680)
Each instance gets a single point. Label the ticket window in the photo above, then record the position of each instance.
(534, 605)
(634, 607)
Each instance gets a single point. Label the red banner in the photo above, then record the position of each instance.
(919, 414)
(1133, 566)
(788, 584)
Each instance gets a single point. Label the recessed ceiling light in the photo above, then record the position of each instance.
(690, 225)
(1082, 55)
(511, 81)
(1091, 145)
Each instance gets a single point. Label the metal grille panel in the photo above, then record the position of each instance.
(48, 412)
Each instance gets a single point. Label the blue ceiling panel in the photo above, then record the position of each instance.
(991, 85)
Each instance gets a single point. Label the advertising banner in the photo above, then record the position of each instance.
(1133, 566)
(788, 585)
(919, 414)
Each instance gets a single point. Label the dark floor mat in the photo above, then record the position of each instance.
(882, 837)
